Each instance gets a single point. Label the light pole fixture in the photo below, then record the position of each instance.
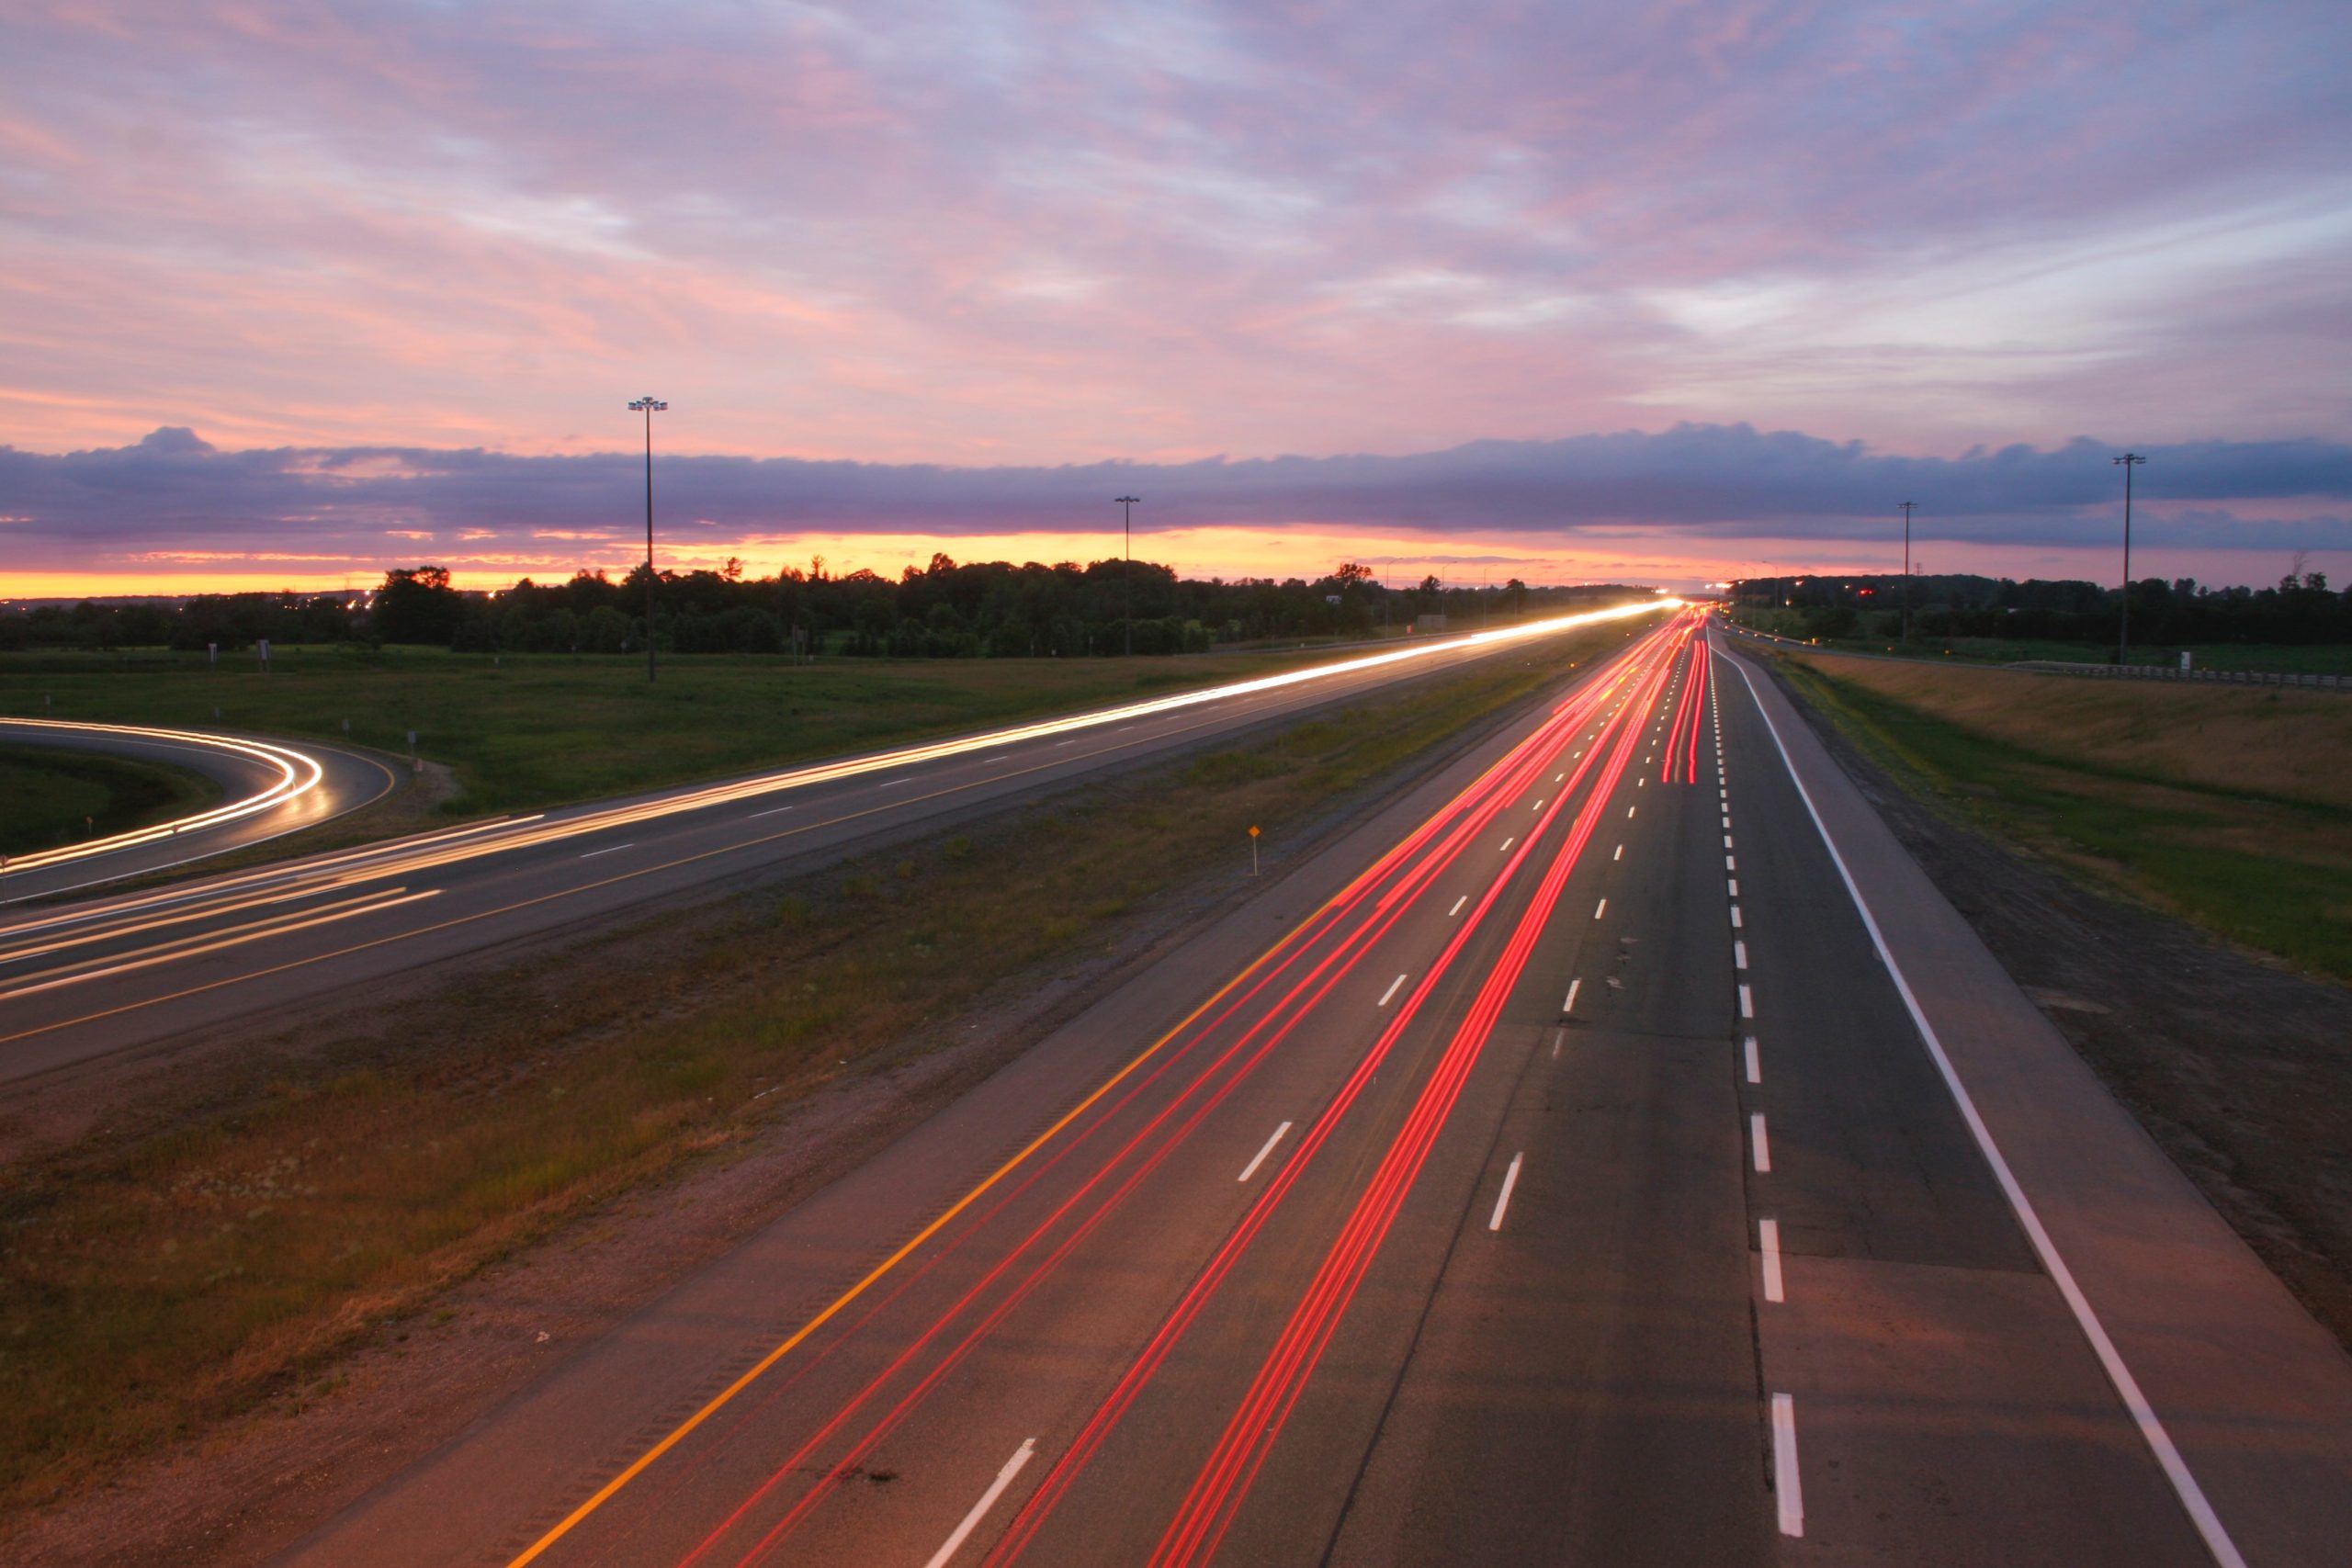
(649, 407)
(1908, 507)
(2128, 461)
(1127, 505)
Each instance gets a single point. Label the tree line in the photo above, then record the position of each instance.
(947, 609)
(2300, 608)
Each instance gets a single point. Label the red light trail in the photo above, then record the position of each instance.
(1290, 981)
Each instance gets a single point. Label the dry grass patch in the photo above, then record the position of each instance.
(2230, 808)
(2292, 745)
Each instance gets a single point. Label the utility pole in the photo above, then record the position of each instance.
(648, 406)
(1126, 504)
(1908, 507)
(2128, 461)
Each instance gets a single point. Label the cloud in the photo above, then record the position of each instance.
(901, 229)
(1707, 490)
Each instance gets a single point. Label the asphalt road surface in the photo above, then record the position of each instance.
(268, 788)
(1613, 1151)
(88, 980)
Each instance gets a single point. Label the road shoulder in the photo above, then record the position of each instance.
(2256, 1396)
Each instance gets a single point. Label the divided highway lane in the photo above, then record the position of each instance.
(81, 982)
(1946, 1406)
(1164, 1315)
(2136, 1387)
(269, 788)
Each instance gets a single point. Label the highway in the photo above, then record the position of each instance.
(83, 982)
(1614, 1150)
(268, 788)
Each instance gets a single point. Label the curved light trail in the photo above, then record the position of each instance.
(297, 774)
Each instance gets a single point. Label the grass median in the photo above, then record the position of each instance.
(186, 1265)
(2230, 806)
(49, 797)
(525, 731)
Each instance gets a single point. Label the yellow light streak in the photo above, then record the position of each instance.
(194, 911)
(209, 942)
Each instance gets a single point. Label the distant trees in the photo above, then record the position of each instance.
(230, 621)
(2300, 609)
(946, 609)
(417, 605)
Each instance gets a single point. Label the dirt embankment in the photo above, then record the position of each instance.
(2240, 1068)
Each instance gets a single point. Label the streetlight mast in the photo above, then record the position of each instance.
(2128, 461)
(648, 406)
(1907, 508)
(1127, 505)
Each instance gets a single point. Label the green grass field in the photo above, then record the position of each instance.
(526, 731)
(2225, 806)
(51, 797)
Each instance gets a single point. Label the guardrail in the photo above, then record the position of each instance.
(2166, 672)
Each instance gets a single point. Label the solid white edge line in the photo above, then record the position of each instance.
(2151, 1430)
(1755, 1062)
(987, 1499)
(1768, 1248)
(1251, 1168)
(1502, 1201)
(1759, 1144)
(1786, 1488)
(1390, 991)
(1571, 1005)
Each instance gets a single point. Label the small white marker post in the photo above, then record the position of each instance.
(1253, 850)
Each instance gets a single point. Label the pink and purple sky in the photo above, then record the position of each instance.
(295, 292)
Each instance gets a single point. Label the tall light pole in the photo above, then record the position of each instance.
(2130, 460)
(1126, 504)
(649, 407)
(1908, 507)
